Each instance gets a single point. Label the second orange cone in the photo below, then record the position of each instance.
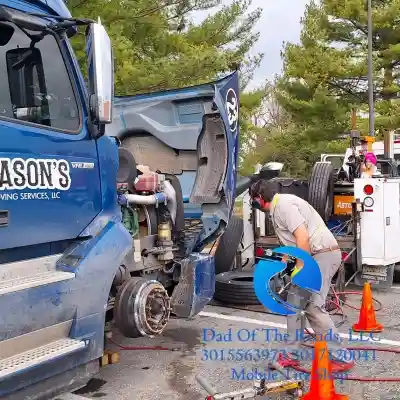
(367, 321)
(322, 386)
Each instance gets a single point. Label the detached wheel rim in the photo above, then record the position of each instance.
(151, 308)
(142, 308)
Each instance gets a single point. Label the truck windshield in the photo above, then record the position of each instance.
(336, 161)
(36, 87)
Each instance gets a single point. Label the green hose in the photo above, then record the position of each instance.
(130, 219)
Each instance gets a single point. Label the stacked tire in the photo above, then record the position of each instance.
(235, 288)
(232, 285)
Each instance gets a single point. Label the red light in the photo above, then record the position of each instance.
(344, 255)
(368, 190)
(210, 398)
(260, 252)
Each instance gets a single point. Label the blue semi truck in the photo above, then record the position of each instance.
(105, 203)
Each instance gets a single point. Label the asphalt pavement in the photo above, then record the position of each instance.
(228, 346)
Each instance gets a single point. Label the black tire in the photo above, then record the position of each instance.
(396, 275)
(123, 317)
(228, 245)
(152, 219)
(235, 288)
(127, 171)
(180, 211)
(320, 189)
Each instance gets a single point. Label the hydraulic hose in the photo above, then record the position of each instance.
(338, 310)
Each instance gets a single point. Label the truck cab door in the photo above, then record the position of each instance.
(49, 179)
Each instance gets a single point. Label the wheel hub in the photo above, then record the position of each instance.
(142, 308)
(157, 310)
(151, 308)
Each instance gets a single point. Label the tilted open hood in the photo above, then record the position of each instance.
(192, 133)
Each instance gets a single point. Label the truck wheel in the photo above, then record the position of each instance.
(142, 308)
(320, 189)
(235, 288)
(228, 245)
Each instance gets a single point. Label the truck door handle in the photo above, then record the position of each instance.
(3, 218)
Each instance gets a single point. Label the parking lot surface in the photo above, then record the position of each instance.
(213, 345)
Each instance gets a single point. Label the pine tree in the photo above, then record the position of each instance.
(158, 46)
(326, 74)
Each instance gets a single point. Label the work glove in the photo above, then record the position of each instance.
(292, 268)
(122, 200)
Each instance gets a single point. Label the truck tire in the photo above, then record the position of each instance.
(228, 245)
(235, 288)
(320, 189)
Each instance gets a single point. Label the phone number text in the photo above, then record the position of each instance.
(272, 355)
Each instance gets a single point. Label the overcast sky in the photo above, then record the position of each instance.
(280, 22)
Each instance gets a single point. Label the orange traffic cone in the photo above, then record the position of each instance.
(322, 386)
(367, 321)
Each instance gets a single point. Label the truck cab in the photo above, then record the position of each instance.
(96, 226)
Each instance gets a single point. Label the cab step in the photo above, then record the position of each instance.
(27, 282)
(34, 272)
(39, 355)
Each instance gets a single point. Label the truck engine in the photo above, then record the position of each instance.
(152, 211)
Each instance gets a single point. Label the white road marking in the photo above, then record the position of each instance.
(277, 325)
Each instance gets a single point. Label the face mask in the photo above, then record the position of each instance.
(257, 203)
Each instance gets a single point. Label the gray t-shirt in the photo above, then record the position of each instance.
(288, 212)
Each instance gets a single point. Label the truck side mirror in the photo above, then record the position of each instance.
(22, 19)
(100, 74)
(270, 170)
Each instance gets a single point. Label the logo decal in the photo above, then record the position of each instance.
(33, 173)
(232, 107)
(307, 278)
(82, 165)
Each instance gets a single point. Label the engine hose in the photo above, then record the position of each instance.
(155, 198)
(339, 304)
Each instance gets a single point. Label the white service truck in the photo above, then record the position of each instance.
(378, 231)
